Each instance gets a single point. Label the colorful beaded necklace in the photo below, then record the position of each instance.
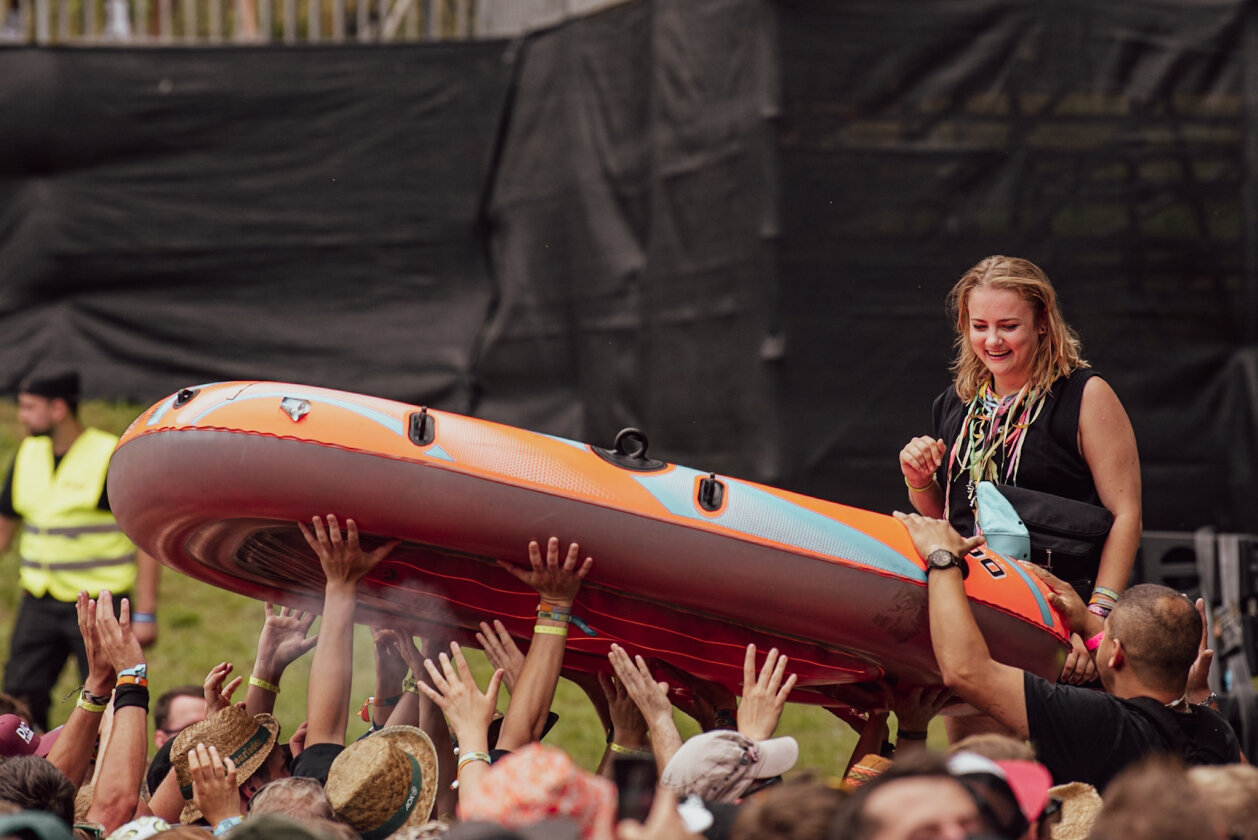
(991, 437)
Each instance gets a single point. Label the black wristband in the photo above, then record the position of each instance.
(131, 695)
(911, 735)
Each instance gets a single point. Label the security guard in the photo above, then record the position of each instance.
(70, 540)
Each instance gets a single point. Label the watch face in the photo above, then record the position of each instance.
(942, 559)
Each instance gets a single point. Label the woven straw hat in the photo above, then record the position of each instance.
(247, 739)
(384, 782)
(1080, 804)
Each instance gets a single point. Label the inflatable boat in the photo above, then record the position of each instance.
(689, 566)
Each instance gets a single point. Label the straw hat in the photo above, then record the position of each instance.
(247, 739)
(1080, 803)
(384, 782)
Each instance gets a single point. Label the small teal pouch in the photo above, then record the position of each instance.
(1000, 524)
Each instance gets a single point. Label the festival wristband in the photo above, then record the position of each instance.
(546, 630)
(1100, 610)
(87, 706)
(143, 618)
(473, 756)
(129, 679)
(1094, 642)
(263, 684)
(559, 608)
(227, 825)
(555, 616)
(1103, 592)
(618, 749)
(140, 671)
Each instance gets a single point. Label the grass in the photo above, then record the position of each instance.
(200, 626)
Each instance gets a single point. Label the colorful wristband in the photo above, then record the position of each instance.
(555, 616)
(1094, 642)
(130, 679)
(1100, 610)
(473, 756)
(546, 630)
(143, 618)
(263, 684)
(141, 671)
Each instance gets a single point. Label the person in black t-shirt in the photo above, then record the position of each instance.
(1143, 650)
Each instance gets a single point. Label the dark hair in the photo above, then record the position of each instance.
(1160, 631)
(10, 705)
(161, 710)
(36, 784)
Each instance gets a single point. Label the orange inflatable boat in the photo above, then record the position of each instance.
(688, 567)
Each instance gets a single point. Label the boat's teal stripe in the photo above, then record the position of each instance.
(393, 424)
(756, 513)
(1046, 614)
(436, 451)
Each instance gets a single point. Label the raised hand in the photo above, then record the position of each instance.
(556, 581)
(343, 560)
(100, 669)
(764, 695)
(454, 690)
(629, 727)
(218, 692)
(214, 789)
(283, 639)
(118, 643)
(501, 650)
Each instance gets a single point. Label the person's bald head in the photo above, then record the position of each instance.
(1159, 630)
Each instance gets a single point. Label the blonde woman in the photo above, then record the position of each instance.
(1026, 409)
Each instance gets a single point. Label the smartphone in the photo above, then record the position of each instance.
(635, 786)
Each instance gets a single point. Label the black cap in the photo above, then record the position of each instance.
(52, 384)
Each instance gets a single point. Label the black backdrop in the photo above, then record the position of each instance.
(729, 222)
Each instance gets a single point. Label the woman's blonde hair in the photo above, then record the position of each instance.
(1058, 352)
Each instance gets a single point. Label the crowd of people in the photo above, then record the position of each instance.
(1126, 743)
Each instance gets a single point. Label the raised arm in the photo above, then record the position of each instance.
(651, 698)
(344, 565)
(72, 752)
(117, 789)
(454, 690)
(965, 662)
(764, 694)
(557, 582)
(284, 639)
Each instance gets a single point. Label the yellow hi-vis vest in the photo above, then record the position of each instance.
(68, 543)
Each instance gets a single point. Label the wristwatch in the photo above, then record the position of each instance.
(942, 558)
